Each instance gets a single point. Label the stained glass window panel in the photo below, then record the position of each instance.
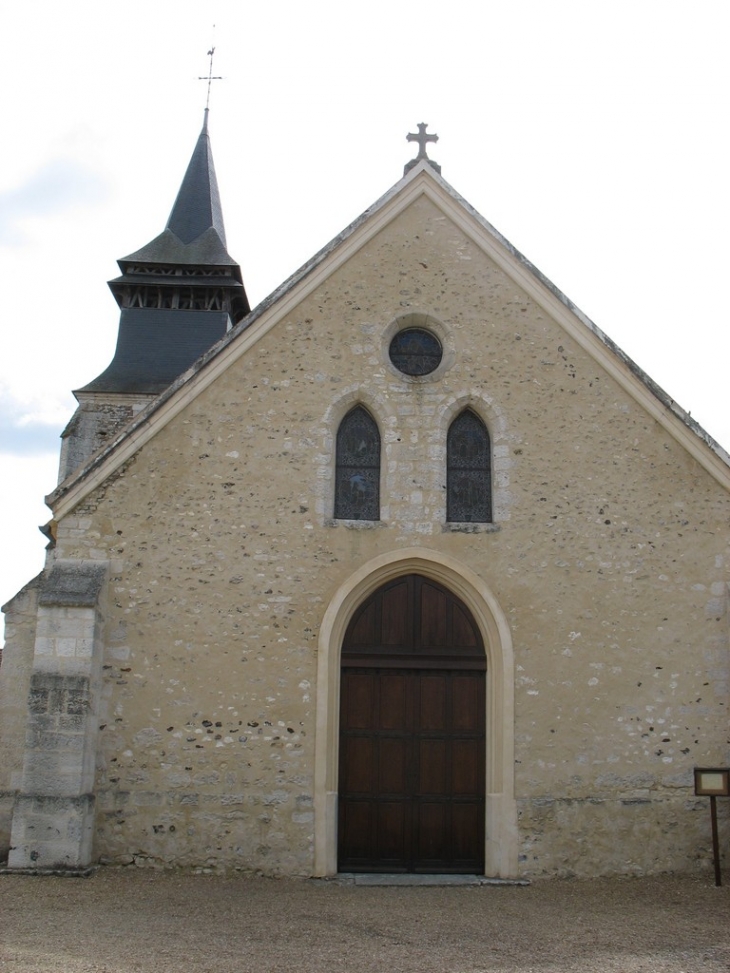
(415, 351)
(357, 473)
(468, 471)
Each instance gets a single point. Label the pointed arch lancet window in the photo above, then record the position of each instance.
(357, 467)
(468, 470)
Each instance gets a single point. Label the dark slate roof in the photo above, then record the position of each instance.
(155, 346)
(207, 249)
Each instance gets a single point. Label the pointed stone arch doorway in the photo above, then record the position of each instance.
(412, 733)
(499, 820)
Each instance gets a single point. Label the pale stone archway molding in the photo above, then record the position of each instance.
(501, 814)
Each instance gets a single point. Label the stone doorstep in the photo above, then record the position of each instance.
(373, 878)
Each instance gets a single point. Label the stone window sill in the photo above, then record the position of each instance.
(467, 527)
(356, 524)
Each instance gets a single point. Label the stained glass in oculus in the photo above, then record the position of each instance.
(468, 471)
(415, 351)
(357, 467)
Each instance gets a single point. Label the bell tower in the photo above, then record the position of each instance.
(177, 296)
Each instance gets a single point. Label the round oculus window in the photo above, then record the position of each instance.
(415, 351)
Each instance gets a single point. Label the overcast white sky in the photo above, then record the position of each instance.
(593, 135)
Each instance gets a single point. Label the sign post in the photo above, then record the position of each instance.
(713, 782)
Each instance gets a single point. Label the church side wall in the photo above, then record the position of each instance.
(608, 557)
(15, 673)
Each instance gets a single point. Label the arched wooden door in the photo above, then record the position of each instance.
(412, 734)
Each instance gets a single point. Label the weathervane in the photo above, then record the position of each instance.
(210, 76)
(423, 139)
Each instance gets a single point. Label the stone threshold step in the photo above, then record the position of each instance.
(376, 878)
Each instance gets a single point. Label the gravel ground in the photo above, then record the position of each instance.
(131, 920)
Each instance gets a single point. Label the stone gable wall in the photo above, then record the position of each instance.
(608, 556)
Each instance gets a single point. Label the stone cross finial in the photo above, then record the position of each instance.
(423, 138)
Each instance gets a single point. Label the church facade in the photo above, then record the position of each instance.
(408, 569)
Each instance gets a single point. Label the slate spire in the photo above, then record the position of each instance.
(198, 204)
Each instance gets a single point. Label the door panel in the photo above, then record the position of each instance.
(466, 779)
(356, 819)
(468, 826)
(395, 619)
(432, 838)
(393, 759)
(358, 711)
(433, 616)
(392, 691)
(468, 704)
(433, 773)
(358, 769)
(391, 832)
(432, 702)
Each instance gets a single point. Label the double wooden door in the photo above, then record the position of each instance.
(412, 734)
